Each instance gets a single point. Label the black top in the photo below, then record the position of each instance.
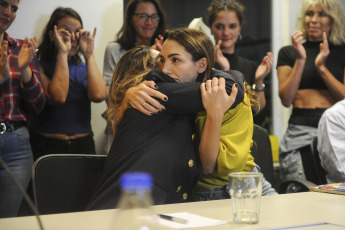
(248, 69)
(160, 144)
(245, 66)
(311, 79)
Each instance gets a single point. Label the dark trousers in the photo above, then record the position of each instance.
(42, 145)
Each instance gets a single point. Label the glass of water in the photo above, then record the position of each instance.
(245, 191)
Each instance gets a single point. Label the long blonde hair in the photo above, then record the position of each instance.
(335, 12)
(130, 70)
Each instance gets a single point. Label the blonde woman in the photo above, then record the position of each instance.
(311, 77)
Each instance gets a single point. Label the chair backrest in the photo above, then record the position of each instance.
(65, 182)
(313, 170)
(294, 186)
(262, 152)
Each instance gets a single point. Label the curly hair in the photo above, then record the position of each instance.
(220, 5)
(253, 97)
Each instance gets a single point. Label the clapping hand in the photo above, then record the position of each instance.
(264, 68)
(27, 52)
(86, 42)
(158, 43)
(222, 61)
(297, 38)
(320, 60)
(4, 65)
(25, 56)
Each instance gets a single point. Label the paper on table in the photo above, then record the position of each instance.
(194, 221)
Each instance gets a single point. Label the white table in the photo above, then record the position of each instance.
(276, 211)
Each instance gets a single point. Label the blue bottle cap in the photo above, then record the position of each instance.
(136, 181)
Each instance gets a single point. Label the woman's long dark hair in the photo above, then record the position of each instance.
(47, 49)
(126, 37)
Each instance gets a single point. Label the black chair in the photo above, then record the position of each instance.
(294, 186)
(262, 152)
(313, 170)
(65, 182)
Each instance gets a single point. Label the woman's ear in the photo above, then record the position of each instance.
(202, 65)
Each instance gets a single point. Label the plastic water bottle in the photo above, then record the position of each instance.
(134, 207)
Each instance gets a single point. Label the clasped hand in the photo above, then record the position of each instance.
(215, 99)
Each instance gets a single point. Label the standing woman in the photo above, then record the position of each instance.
(311, 77)
(21, 94)
(144, 22)
(64, 126)
(225, 19)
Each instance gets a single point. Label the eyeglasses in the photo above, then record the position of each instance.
(144, 17)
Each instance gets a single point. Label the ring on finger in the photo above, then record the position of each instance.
(144, 103)
(214, 83)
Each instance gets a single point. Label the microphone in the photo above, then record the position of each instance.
(26, 197)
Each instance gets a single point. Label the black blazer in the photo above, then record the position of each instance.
(161, 144)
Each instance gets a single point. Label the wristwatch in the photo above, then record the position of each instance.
(258, 90)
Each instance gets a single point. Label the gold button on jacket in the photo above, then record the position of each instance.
(190, 163)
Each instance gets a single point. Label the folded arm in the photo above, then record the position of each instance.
(216, 102)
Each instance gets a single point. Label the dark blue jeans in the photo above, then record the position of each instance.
(16, 152)
(223, 192)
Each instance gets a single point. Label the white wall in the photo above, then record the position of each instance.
(106, 15)
(284, 17)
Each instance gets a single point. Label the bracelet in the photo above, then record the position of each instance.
(258, 90)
